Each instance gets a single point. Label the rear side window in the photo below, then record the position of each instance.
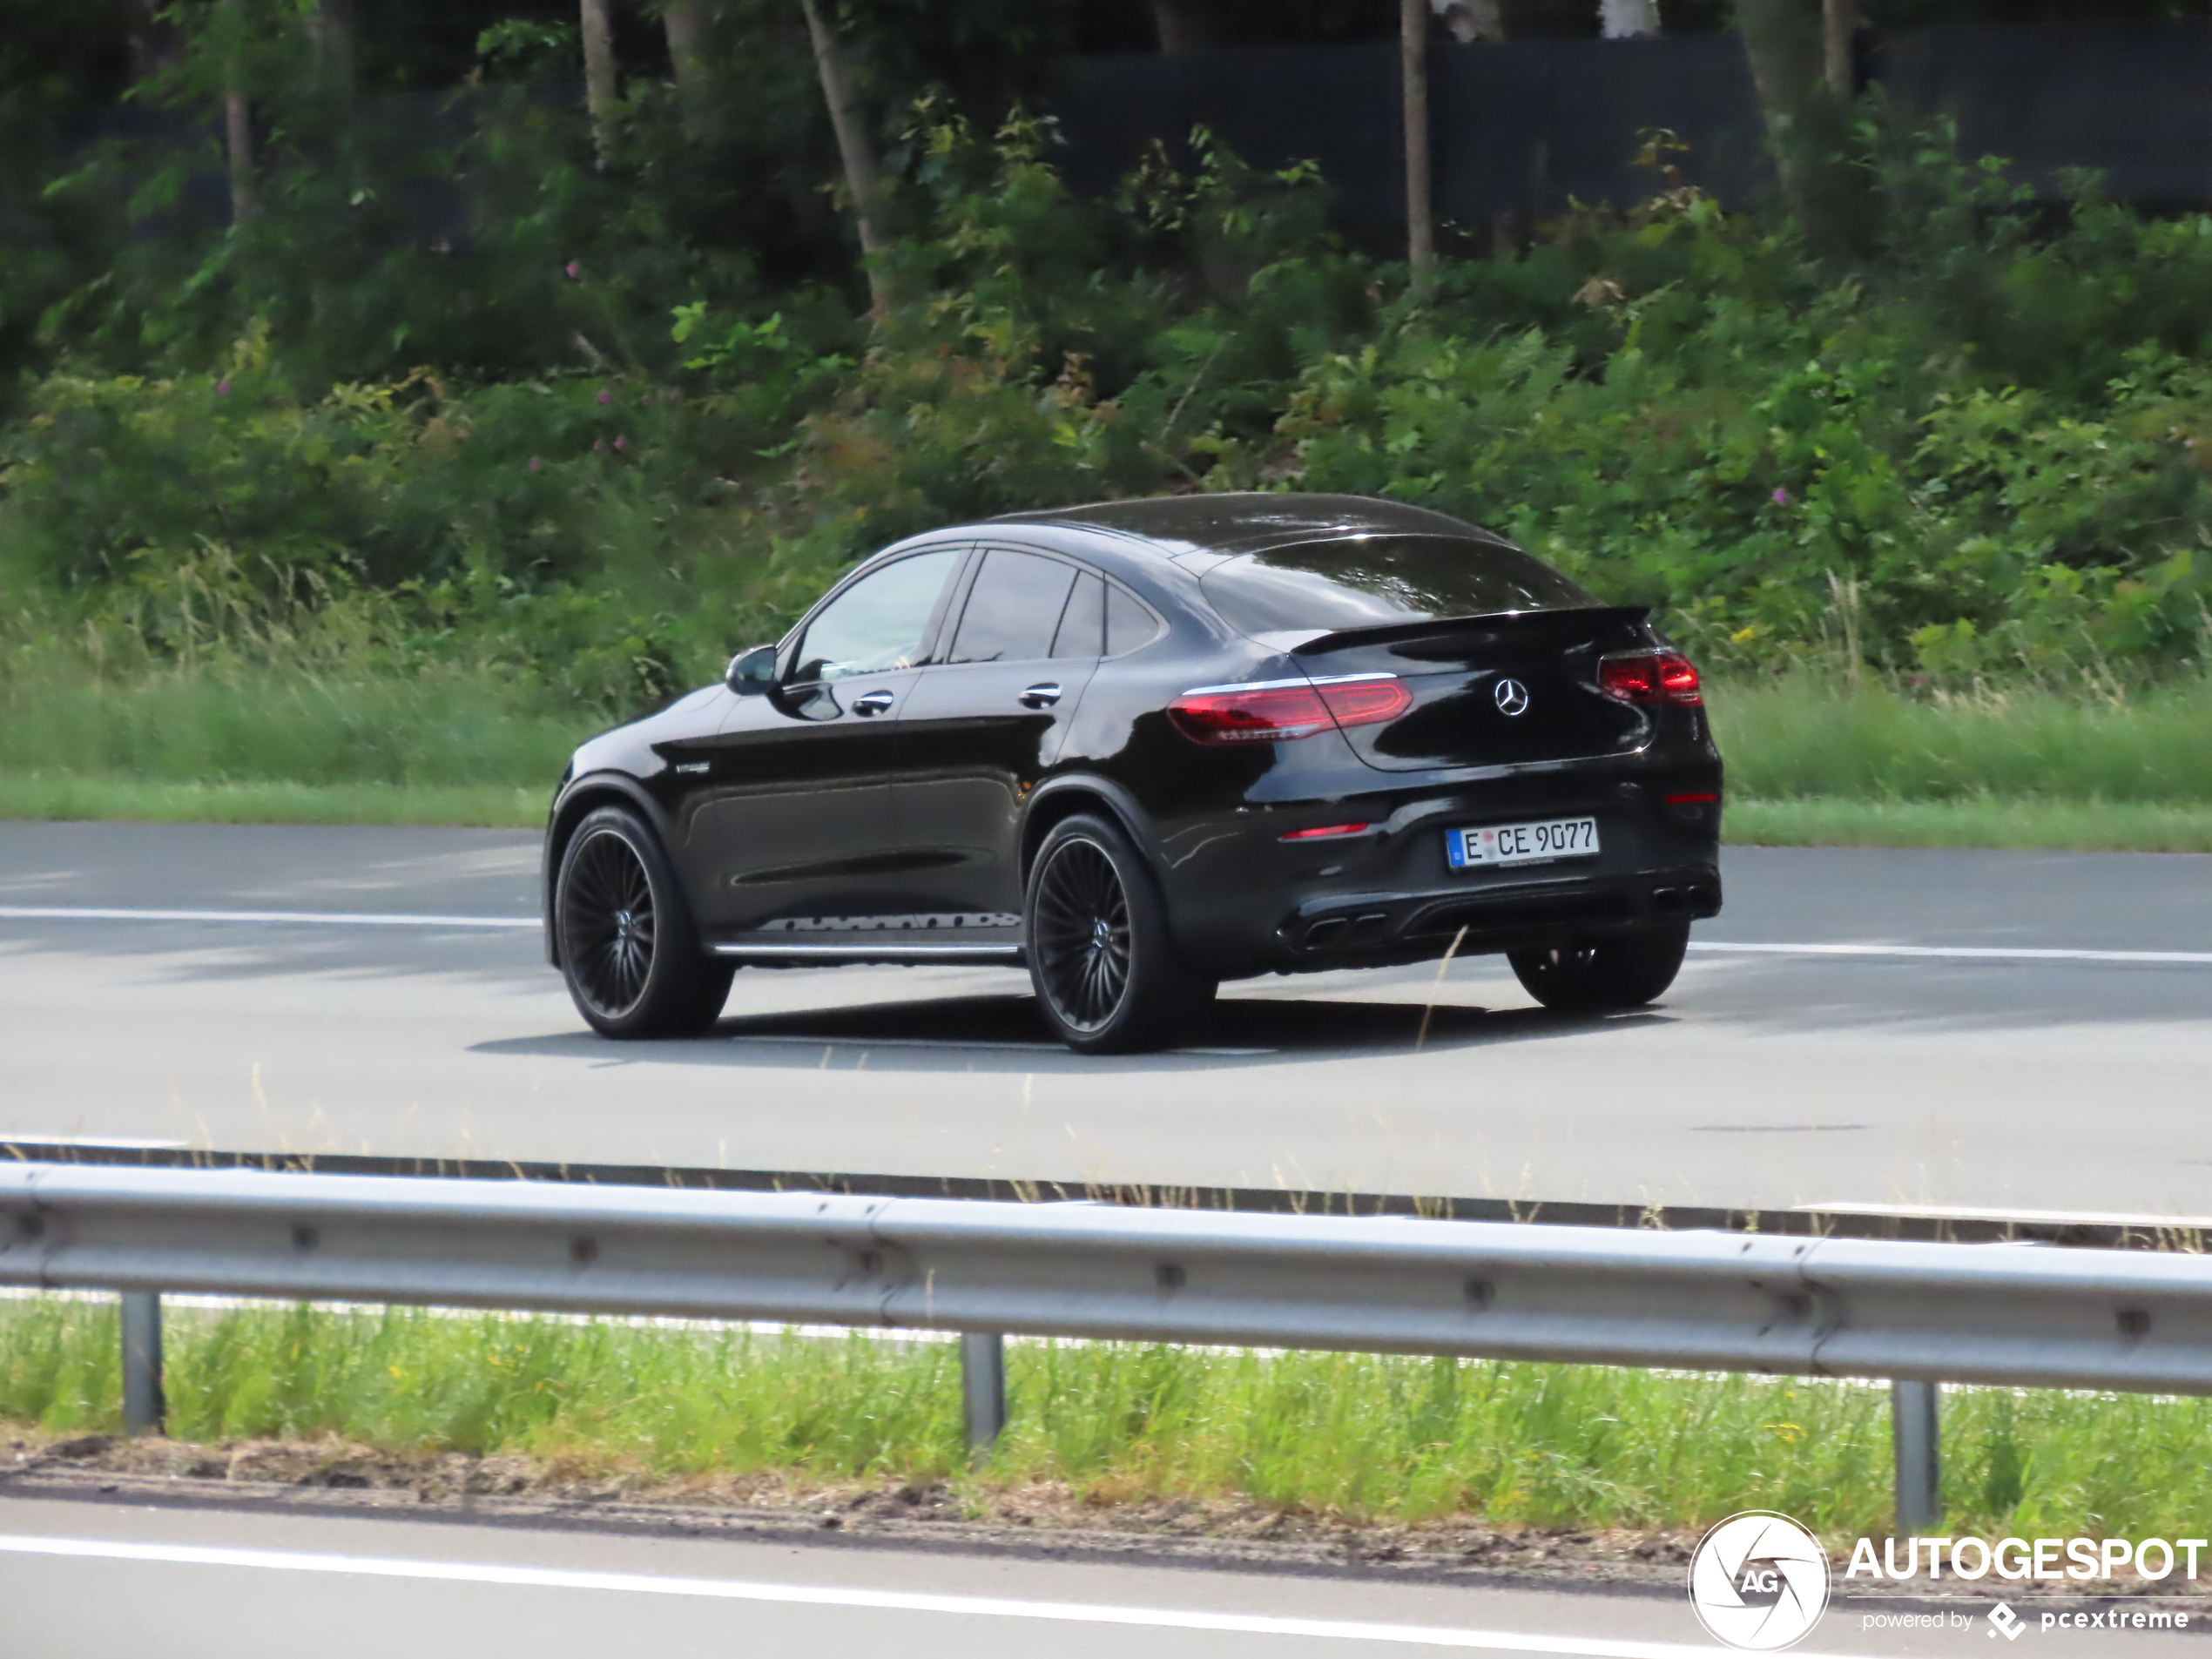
(1013, 609)
(1376, 581)
(1082, 624)
(1128, 624)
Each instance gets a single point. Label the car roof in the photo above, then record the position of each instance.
(1252, 521)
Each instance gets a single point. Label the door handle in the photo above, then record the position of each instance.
(874, 702)
(1040, 696)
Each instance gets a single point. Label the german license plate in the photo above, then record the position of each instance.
(1559, 838)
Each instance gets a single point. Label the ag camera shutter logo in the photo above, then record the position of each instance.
(1760, 1581)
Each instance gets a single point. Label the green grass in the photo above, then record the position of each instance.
(492, 805)
(1811, 763)
(1806, 739)
(260, 746)
(2049, 825)
(440, 730)
(1359, 1436)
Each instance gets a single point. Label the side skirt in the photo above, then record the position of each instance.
(877, 948)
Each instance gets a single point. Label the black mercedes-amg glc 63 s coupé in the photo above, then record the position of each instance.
(1145, 746)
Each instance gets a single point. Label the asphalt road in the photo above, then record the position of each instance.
(2001, 1083)
(89, 1578)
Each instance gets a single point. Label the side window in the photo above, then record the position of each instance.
(1082, 624)
(1013, 609)
(1129, 626)
(879, 623)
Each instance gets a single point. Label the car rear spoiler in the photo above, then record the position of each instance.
(1496, 620)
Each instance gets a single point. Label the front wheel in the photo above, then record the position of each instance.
(1623, 972)
(1110, 978)
(629, 950)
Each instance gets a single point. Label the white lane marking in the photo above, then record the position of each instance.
(1963, 953)
(1969, 1212)
(311, 918)
(985, 1606)
(372, 918)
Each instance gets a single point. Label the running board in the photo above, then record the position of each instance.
(901, 953)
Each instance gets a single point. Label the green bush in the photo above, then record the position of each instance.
(1977, 454)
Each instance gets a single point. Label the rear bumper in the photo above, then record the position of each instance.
(1413, 926)
(1243, 900)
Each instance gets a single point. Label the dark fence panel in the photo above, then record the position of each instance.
(2125, 99)
(1517, 128)
(1272, 106)
(1529, 126)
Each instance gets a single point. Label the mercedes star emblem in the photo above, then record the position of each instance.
(1512, 697)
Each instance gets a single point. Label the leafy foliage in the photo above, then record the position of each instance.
(572, 443)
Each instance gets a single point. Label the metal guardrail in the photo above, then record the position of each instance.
(1914, 1313)
(1937, 1225)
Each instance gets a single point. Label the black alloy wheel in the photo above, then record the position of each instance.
(1081, 942)
(1625, 971)
(629, 949)
(1109, 976)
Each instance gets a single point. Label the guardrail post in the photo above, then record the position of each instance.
(982, 1387)
(143, 1406)
(1914, 1425)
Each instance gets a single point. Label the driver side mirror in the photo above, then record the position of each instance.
(751, 672)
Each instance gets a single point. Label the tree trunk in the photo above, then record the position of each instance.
(1784, 41)
(1624, 19)
(1420, 223)
(1783, 44)
(238, 133)
(863, 175)
(1184, 25)
(1839, 20)
(238, 116)
(330, 26)
(600, 88)
(690, 27)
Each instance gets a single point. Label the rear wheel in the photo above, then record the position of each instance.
(1109, 976)
(1622, 972)
(630, 950)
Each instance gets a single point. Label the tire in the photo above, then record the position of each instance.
(1110, 978)
(630, 950)
(1623, 972)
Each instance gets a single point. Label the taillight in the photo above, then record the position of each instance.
(1278, 710)
(1369, 700)
(1650, 677)
(1324, 832)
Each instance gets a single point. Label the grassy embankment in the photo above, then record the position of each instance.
(269, 748)
(1810, 763)
(1353, 1436)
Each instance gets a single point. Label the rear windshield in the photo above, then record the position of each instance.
(1374, 581)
